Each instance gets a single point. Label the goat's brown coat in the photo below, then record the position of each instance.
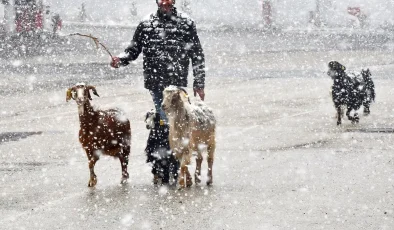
(102, 132)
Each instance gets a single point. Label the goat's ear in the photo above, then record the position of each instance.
(89, 96)
(93, 90)
(68, 94)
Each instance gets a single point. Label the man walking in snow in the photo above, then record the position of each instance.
(168, 41)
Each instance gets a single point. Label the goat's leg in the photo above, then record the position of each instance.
(197, 174)
(182, 174)
(92, 162)
(185, 175)
(189, 180)
(124, 161)
(211, 155)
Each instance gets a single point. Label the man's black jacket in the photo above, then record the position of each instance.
(168, 43)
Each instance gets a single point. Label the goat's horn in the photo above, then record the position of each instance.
(69, 94)
(186, 94)
(183, 90)
(93, 88)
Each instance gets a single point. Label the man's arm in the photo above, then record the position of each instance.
(134, 49)
(198, 60)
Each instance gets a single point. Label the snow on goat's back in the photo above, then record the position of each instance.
(202, 113)
(118, 113)
(198, 110)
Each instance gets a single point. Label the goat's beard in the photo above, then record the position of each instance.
(81, 110)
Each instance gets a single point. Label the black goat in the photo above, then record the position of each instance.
(158, 150)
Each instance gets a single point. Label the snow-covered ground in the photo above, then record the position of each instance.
(281, 161)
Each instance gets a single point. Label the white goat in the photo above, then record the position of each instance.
(192, 129)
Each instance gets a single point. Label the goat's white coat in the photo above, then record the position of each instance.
(198, 111)
(192, 128)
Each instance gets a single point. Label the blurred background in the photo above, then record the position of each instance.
(249, 13)
(267, 14)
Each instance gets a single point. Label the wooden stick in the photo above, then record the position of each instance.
(96, 41)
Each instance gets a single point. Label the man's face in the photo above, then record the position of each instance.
(166, 6)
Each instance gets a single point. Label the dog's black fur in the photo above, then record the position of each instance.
(369, 90)
(346, 91)
(159, 153)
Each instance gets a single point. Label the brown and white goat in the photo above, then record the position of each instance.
(192, 129)
(101, 131)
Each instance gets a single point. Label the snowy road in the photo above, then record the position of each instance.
(281, 161)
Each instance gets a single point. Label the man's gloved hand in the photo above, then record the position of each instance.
(115, 63)
(200, 93)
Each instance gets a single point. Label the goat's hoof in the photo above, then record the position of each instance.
(125, 177)
(339, 123)
(189, 181)
(92, 182)
(197, 179)
(124, 180)
(183, 184)
(209, 181)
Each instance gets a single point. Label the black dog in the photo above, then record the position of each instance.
(158, 150)
(368, 90)
(346, 91)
